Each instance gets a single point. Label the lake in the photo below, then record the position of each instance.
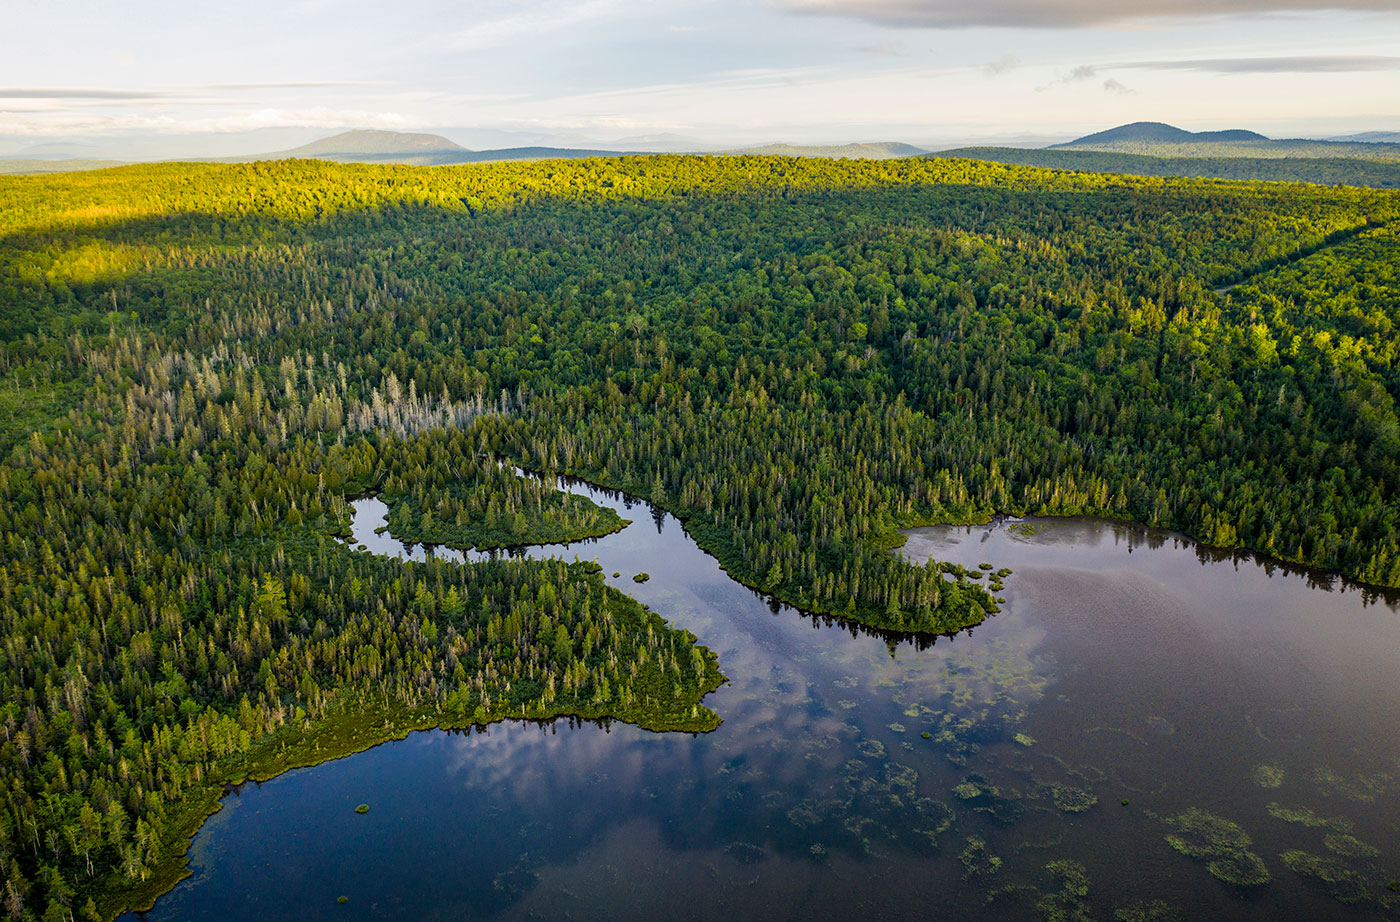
(1247, 712)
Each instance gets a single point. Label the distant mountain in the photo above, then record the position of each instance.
(1154, 139)
(1371, 137)
(18, 165)
(883, 150)
(375, 143)
(544, 153)
(1158, 133)
(417, 150)
(1329, 171)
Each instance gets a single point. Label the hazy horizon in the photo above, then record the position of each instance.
(152, 79)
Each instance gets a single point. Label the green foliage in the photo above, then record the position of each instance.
(1222, 164)
(445, 488)
(797, 357)
(1305, 817)
(1067, 901)
(1223, 845)
(977, 860)
(1343, 883)
(1069, 799)
(1282, 148)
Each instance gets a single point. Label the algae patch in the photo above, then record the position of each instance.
(1267, 776)
(1222, 844)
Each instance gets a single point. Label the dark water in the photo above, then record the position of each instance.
(1124, 666)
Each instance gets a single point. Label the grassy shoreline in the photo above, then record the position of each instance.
(363, 718)
(344, 732)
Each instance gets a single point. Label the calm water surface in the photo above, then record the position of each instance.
(855, 776)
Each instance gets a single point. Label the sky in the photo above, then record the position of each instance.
(186, 78)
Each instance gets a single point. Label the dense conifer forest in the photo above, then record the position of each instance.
(1322, 170)
(796, 357)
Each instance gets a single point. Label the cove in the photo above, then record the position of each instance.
(855, 774)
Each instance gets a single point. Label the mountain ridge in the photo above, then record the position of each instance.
(1160, 132)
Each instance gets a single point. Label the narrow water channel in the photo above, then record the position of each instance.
(984, 776)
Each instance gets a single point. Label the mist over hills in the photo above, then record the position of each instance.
(1140, 148)
(1155, 139)
(416, 149)
(879, 150)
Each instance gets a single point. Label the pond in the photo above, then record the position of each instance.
(1144, 732)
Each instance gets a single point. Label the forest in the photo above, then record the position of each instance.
(1321, 170)
(797, 357)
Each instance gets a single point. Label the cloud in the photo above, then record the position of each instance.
(74, 93)
(1085, 73)
(885, 49)
(1336, 64)
(952, 14)
(294, 85)
(61, 123)
(528, 21)
(1001, 65)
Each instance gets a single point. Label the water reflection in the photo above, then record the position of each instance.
(860, 774)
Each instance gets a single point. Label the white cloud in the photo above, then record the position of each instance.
(528, 21)
(36, 124)
(1057, 13)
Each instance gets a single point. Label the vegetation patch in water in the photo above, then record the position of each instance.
(873, 749)
(1069, 799)
(977, 860)
(1342, 883)
(1343, 844)
(1148, 911)
(1222, 844)
(1068, 902)
(1361, 788)
(1267, 776)
(1302, 816)
(977, 792)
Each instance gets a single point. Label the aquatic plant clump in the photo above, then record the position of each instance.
(1243, 869)
(935, 818)
(1222, 844)
(1067, 903)
(1349, 845)
(1069, 799)
(977, 860)
(1342, 883)
(982, 796)
(1305, 817)
(1361, 788)
(1267, 776)
(873, 749)
(1148, 911)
